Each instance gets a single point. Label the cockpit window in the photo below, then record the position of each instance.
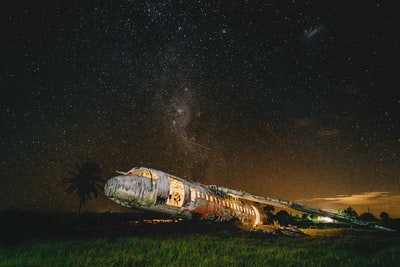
(143, 172)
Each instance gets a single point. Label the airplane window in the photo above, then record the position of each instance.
(192, 194)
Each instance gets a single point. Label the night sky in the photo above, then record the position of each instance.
(296, 100)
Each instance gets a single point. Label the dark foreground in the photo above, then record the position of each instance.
(121, 242)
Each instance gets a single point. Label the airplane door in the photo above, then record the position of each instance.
(176, 192)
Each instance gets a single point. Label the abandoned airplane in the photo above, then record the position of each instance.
(156, 191)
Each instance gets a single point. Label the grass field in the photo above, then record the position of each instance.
(224, 248)
(201, 245)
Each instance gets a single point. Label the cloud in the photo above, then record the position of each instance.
(358, 199)
(378, 200)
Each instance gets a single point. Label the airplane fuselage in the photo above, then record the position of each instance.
(153, 190)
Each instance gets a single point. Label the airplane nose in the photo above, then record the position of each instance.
(109, 187)
(131, 191)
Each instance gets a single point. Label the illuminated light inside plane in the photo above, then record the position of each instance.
(324, 219)
(258, 220)
(192, 194)
(154, 221)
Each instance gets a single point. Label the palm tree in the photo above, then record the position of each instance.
(86, 182)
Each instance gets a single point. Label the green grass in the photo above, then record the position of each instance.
(213, 248)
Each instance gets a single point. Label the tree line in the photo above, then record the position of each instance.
(284, 218)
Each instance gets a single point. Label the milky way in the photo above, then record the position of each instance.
(295, 101)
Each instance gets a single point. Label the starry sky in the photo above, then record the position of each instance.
(290, 99)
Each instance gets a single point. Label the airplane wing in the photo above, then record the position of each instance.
(294, 205)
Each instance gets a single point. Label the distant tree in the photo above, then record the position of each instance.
(367, 216)
(384, 216)
(340, 212)
(308, 217)
(350, 213)
(268, 213)
(283, 217)
(87, 182)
